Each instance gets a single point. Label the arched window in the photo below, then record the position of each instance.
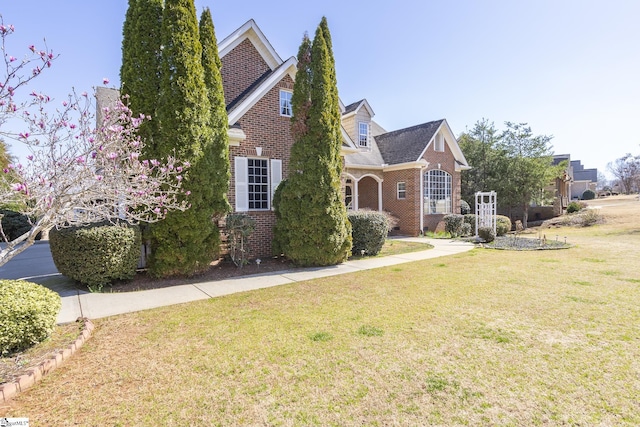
(348, 194)
(437, 192)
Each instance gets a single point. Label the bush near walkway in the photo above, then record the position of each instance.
(28, 314)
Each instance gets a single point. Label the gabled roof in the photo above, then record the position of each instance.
(407, 145)
(356, 106)
(251, 31)
(258, 90)
(410, 144)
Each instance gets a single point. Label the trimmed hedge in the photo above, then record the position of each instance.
(486, 234)
(453, 224)
(503, 225)
(28, 312)
(588, 195)
(97, 254)
(369, 231)
(471, 220)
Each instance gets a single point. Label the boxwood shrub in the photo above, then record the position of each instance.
(471, 220)
(96, 254)
(369, 230)
(588, 195)
(28, 312)
(486, 234)
(453, 224)
(503, 225)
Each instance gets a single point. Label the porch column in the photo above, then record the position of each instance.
(379, 196)
(355, 194)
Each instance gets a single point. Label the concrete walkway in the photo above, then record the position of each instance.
(77, 302)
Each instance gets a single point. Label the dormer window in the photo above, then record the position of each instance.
(363, 134)
(285, 103)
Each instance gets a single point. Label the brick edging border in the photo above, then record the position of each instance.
(36, 373)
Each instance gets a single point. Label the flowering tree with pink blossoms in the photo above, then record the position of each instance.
(78, 170)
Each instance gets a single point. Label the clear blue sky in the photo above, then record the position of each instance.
(569, 68)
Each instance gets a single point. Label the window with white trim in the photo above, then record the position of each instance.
(437, 192)
(348, 194)
(439, 143)
(285, 103)
(402, 190)
(256, 179)
(363, 134)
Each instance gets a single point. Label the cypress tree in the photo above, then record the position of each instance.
(184, 242)
(217, 152)
(141, 60)
(312, 226)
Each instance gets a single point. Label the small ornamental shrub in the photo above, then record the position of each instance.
(471, 220)
(14, 224)
(96, 254)
(588, 195)
(28, 315)
(465, 229)
(453, 224)
(574, 207)
(503, 225)
(238, 228)
(368, 230)
(486, 234)
(464, 208)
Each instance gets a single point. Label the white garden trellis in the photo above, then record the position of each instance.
(486, 210)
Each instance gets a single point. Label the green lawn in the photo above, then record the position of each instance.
(482, 338)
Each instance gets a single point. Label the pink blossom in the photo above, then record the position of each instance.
(105, 81)
(32, 48)
(30, 157)
(24, 135)
(12, 58)
(112, 156)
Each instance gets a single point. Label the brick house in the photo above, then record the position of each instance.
(389, 171)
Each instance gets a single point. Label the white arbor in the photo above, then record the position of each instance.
(486, 210)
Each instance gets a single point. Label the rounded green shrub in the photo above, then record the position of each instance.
(368, 230)
(464, 208)
(453, 224)
(574, 207)
(503, 225)
(96, 254)
(588, 195)
(465, 229)
(28, 312)
(471, 220)
(486, 234)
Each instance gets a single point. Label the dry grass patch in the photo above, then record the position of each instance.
(486, 338)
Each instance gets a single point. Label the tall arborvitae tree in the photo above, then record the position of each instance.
(312, 226)
(141, 62)
(217, 151)
(185, 242)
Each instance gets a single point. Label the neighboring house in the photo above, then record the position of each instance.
(413, 173)
(574, 181)
(583, 179)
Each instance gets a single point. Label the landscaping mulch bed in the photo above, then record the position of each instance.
(219, 270)
(517, 243)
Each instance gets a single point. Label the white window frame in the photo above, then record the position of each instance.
(242, 184)
(401, 192)
(363, 136)
(438, 195)
(286, 108)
